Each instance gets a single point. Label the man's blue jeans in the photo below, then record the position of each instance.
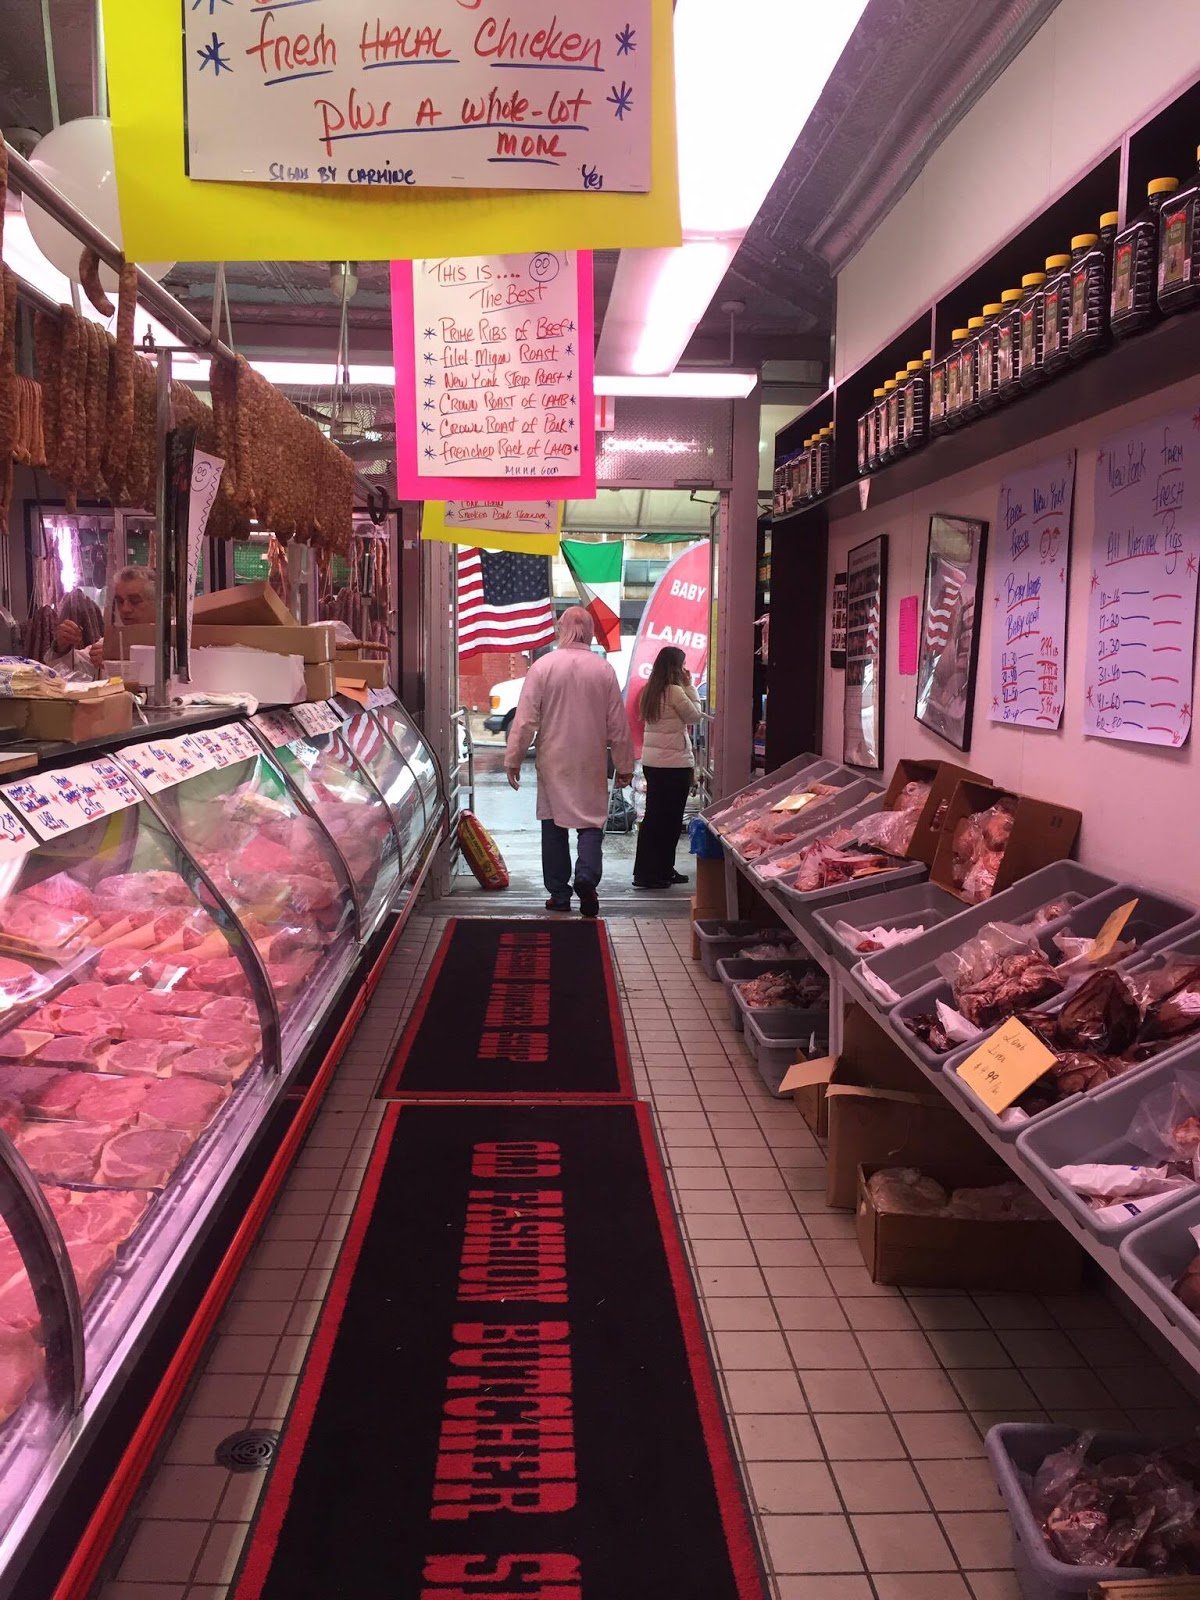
(556, 859)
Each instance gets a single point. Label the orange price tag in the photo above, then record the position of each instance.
(1005, 1065)
(1111, 931)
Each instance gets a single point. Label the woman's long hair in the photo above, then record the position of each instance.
(667, 670)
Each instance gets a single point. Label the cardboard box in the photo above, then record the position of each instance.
(943, 778)
(704, 913)
(373, 673)
(710, 885)
(248, 605)
(879, 1110)
(320, 682)
(69, 721)
(933, 1252)
(313, 644)
(1042, 833)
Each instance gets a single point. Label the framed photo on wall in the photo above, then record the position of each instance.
(866, 612)
(949, 628)
(837, 623)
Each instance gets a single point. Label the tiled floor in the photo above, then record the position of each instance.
(858, 1411)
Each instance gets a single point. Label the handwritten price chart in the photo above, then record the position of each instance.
(494, 374)
(1142, 603)
(1028, 586)
(531, 94)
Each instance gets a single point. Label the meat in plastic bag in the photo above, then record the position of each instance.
(1100, 1016)
(978, 847)
(905, 1191)
(1001, 971)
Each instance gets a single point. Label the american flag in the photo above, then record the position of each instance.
(504, 602)
(944, 590)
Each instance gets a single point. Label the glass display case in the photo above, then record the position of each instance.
(175, 925)
(406, 738)
(394, 776)
(346, 800)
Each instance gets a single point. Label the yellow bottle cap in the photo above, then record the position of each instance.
(959, 333)
(992, 309)
(1054, 262)
(878, 393)
(1162, 186)
(889, 385)
(1009, 296)
(1033, 280)
(926, 355)
(914, 366)
(901, 374)
(973, 323)
(1109, 219)
(1084, 241)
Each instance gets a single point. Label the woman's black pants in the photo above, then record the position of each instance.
(666, 796)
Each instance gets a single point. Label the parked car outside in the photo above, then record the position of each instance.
(504, 696)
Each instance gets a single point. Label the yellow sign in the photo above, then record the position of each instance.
(1006, 1064)
(1111, 931)
(165, 216)
(794, 802)
(465, 530)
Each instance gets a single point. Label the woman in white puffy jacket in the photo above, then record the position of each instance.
(668, 706)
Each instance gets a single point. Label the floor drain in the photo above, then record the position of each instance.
(251, 1450)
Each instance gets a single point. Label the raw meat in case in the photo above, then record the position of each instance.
(73, 1050)
(143, 1158)
(20, 1368)
(115, 1101)
(58, 1095)
(142, 1057)
(180, 1102)
(112, 997)
(214, 1064)
(20, 1044)
(64, 1152)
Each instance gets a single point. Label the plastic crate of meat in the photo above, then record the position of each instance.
(1065, 884)
(735, 970)
(1096, 1127)
(721, 939)
(921, 905)
(723, 815)
(1015, 1451)
(1157, 1254)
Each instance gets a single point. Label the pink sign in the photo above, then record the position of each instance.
(677, 613)
(495, 377)
(910, 619)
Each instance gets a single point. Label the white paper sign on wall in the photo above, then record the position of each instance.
(533, 94)
(1027, 584)
(1141, 641)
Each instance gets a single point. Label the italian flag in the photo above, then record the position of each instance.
(597, 570)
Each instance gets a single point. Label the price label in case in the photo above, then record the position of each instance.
(1005, 1065)
(317, 716)
(56, 802)
(161, 763)
(276, 728)
(237, 742)
(15, 838)
(380, 697)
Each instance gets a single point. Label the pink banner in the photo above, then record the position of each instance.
(502, 381)
(910, 621)
(676, 613)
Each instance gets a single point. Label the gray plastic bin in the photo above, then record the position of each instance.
(910, 967)
(1157, 1254)
(922, 905)
(1095, 1127)
(734, 970)
(1016, 1450)
(777, 1039)
(764, 791)
(1155, 922)
(821, 816)
(721, 939)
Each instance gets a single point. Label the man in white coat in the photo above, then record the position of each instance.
(571, 700)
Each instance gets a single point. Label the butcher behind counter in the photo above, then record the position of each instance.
(133, 602)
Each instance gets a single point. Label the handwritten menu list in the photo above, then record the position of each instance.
(500, 516)
(1142, 600)
(496, 379)
(531, 94)
(1029, 594)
